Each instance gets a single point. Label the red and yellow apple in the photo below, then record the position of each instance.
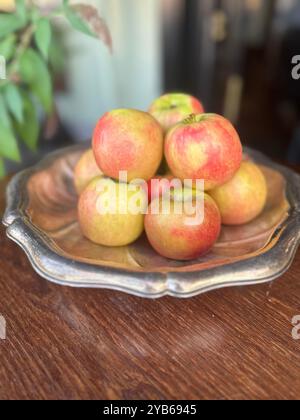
(85, 170)
(242, 198)
(172, 108)
(128, 140)
(158, 185)
(112, 213)
(205, 147)
(173, 235)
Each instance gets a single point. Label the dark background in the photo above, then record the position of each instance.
(236, 56)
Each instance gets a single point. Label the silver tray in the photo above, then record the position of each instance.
(143, 273)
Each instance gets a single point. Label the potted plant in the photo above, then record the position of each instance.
(28, 46)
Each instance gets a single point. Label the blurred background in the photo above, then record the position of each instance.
(235, 55)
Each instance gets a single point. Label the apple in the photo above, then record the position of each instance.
(158, 185)
(7, 5)
(172, 108)
(182, 235)
(242, 198)
(85, 170)
(205, 147)
(112, 213)
(128, 140)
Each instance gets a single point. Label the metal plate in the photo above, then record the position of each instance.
(41, 217)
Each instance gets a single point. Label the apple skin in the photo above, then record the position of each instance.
(172, 108)
(128, 140)
(155, 191)
(85, 171)
(173, 238)
(116, 229)
(205, 147)
(243, 198)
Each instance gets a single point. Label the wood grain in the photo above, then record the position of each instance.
(75, 344)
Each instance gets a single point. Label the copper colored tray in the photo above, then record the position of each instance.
(41, 217)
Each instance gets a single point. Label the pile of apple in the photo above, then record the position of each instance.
(178, 135)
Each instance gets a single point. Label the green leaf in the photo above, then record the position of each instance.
(56, 54)
(90, 15)
(28, 130)
(2, 168)
(26, 66)
(75, 20)
(7, 46)
(34, 71)
(4, 115)
(14, 101)
(34, 14)
(21, 10)
(8, 144)
(42, 36)
(11, 22)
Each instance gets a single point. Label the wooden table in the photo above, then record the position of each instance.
(67, 343)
